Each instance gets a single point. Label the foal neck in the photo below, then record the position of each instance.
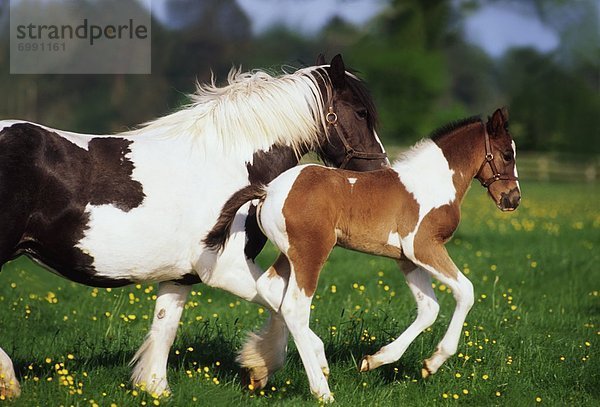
(463, 148)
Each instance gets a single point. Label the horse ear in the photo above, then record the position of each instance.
(498, 121)
(321, 60)
(337, 72)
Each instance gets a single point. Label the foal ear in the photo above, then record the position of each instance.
(498, 121)
(337, 72)
(320, 60)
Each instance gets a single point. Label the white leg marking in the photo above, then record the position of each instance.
(296, 312)
(9, 385)
(462, 289)
(150, 370)
(419, 282)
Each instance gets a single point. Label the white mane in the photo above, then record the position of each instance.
(255, 110)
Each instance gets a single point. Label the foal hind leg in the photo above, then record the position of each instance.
(307, 257)
(439, 264)
(9, 385)
(419, 283)
(296, 312)
(150, 370)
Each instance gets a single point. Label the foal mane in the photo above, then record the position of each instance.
(254, 110)
(452, 126)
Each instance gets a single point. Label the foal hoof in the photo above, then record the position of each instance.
(425, 372)
(364, 364)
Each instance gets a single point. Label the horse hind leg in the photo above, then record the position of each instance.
(264, 352)
(150, 361)
(419, 283)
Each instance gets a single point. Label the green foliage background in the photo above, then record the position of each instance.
(414, 56)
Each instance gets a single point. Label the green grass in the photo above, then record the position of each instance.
(534, 330)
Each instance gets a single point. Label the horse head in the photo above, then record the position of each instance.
(350, 141)
(498, 171)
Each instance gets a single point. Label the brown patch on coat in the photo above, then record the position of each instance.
(324, 209)
(435, 230)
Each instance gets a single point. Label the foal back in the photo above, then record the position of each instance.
(367, 212)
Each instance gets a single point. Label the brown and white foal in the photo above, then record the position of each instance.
(407, 212)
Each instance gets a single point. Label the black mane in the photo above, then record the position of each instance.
(450, 127)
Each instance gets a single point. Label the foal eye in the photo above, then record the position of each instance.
(362, 113)
(507, 155)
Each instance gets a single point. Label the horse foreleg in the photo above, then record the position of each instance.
(9, 385)
(150, 361)
(419, 283)
(439, 264)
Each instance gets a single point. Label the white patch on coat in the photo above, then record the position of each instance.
(352, 181)
(426, 174)
(273, 224)
(514, 147)
(394, 239)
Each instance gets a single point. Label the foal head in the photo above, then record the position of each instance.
(498, 171)
(351, 141)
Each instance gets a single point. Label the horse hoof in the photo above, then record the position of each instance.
(10, 390)
(364, 364)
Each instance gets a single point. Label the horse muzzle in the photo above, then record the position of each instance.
(510, 201)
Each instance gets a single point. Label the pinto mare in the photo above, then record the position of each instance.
(406, 212)
(107, 211)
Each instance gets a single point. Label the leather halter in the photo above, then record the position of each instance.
(489, 159)
(350, 152)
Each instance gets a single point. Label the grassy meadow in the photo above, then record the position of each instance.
(532, 337)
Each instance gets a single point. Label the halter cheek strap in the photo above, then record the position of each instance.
(489, 159)
(350, 153)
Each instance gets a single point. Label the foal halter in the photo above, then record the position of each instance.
(489, 159)
(350, 152)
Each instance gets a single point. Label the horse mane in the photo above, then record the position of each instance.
(435, 136)
(450, 127)
(253, 110)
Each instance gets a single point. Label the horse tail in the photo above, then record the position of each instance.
(218, 236)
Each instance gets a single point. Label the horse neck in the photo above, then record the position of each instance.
(464, 150)
(266, 166)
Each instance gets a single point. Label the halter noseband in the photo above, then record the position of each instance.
(489, 159)
(332, 119)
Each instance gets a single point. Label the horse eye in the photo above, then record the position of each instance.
(507, 155)
(362, 113)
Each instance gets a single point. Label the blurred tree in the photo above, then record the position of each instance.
(553, 109)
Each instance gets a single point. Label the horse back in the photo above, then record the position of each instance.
(46, 182)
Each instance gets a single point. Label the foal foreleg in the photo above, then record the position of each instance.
(441, 267)
(9, 385)
(419, 283)
(150, 370)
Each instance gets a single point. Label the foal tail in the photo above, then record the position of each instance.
(218, 236)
